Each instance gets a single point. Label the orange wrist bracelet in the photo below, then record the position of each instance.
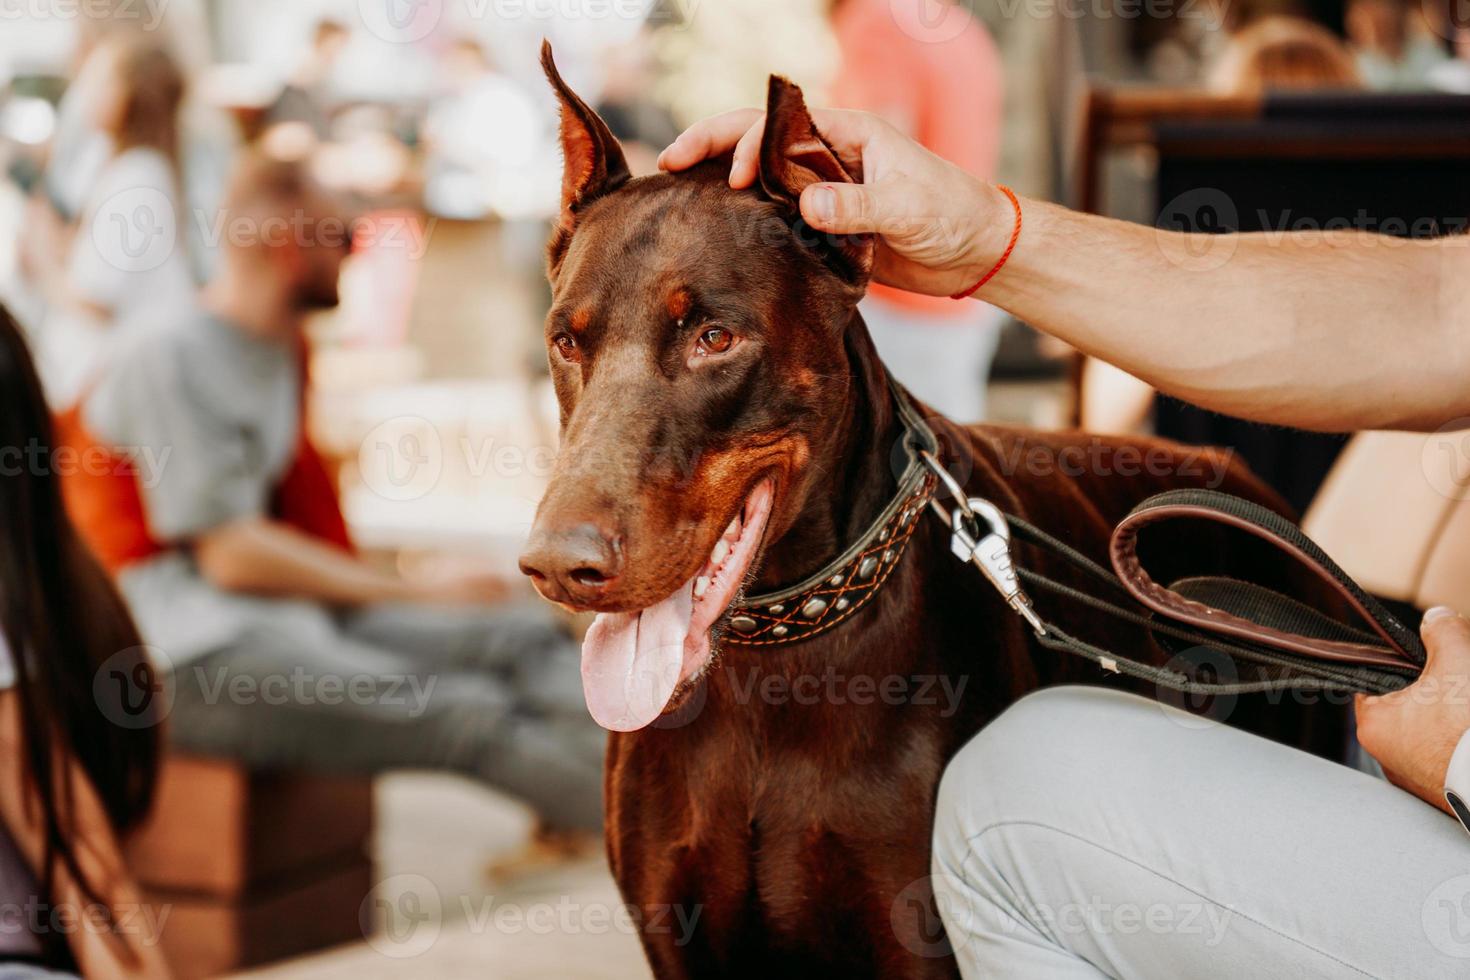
(1010, 246)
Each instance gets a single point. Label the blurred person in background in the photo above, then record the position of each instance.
(1454, 75)
(1393, 45)
(943, 88)
(488, 150)
(224, 531)
(641, 125)
(305, 98)
(1281, 53)
(77, 763)
(79, 150)
(125, 257)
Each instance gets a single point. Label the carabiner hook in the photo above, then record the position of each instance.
(992, 555)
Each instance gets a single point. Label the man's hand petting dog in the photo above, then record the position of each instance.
(940, 229)
(1413, 732)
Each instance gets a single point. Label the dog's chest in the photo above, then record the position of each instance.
(779, 822)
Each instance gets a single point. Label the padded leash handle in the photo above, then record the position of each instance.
(1253, 613)
(1276, 642)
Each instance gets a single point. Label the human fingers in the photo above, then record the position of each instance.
(707, 138)
(746, 164)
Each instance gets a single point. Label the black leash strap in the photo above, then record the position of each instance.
(1271, 640)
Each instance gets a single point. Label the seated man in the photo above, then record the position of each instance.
(222, 528)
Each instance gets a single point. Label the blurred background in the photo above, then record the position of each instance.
(433, 119)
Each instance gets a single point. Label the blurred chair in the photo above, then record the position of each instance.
(253, 866)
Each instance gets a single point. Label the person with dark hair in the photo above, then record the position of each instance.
(78, 755)
(223, 528)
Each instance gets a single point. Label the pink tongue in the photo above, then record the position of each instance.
(631, 661)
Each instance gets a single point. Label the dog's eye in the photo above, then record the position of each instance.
(566, 345)
(715, 340)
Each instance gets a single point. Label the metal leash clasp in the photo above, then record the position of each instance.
(991, 552)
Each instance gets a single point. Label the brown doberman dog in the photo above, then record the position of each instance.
(728, 428)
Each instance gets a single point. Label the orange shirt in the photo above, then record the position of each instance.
(933, 71)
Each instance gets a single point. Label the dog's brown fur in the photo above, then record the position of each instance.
(790, 818)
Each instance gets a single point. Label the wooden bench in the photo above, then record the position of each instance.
(253, 866)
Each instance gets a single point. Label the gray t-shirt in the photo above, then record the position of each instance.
(210, 416)
(208, 412)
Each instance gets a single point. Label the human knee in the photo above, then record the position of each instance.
(1044, 753)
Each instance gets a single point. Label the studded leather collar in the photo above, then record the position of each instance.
(850, 581)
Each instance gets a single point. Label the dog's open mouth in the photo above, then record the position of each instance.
(632, 663)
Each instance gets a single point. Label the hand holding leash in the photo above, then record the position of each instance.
(1413, 733)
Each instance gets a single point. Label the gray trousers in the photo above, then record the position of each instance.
(1088, 833)
(494, 694)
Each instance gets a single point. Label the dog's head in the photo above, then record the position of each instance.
(697, 350)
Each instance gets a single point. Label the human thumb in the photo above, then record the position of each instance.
(1447, 639)
(845, 209)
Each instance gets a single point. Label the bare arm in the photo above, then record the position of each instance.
(1335, 331)
(270, 558)
(129, 950)
(1338, 330)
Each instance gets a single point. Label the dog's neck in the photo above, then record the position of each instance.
(855, 477)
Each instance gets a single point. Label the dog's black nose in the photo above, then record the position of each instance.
(574, 564)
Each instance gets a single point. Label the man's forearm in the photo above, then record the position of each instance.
(1328, 330)
(268, 558)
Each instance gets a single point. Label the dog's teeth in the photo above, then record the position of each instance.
(733, 531)
(721, 552)
(701, 586)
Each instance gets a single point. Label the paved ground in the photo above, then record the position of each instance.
(451, 918)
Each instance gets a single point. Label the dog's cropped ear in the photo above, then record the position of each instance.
(594, 161)
(793, 157)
